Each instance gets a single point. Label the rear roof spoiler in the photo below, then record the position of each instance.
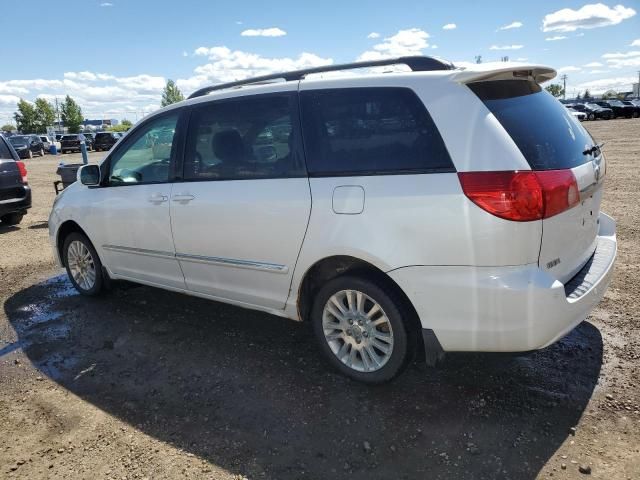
(504, 71)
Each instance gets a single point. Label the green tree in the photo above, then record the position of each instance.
(7, 127)
(25, 117)
(587, 94)
(578, 97)
(171, 94)
(71, 115)
(45, 115)
(126, 123)
(555, 89)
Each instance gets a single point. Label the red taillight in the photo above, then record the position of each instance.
(521, 196)
(23, 171)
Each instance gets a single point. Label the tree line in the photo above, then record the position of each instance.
(36, 117)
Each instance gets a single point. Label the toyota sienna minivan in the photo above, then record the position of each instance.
(403, 214)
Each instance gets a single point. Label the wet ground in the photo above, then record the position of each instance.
(146, 383)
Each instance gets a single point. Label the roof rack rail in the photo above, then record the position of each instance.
(415, 63)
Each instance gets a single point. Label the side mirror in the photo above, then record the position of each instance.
(89, 175)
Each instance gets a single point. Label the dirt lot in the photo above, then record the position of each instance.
(142, 383)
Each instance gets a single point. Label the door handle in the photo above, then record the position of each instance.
(158, 198)
(183, 197)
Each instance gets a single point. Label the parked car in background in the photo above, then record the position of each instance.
(635, 106)
(618, 108)
(15, 194)
(46, 141)
(71, 142)
(105, 140)
(357, 203)
(59, 136)
(89, 140)
(593, 111)
(27, 145)
(579, 115)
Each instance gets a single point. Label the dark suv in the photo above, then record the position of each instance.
(15, 194)
(619, 108)
(635, 105)
(593, 111)
(71, 142)
(27, 145)
(105, 140)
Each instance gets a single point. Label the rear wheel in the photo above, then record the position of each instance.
(363, 329)
(12, 218)
(592, 116)
(29, 154)
(42, 152)
(83, 264)
(636, 114)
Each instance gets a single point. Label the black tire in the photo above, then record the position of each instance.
(592, 116)
(42, 152)
(404, 333)
(29, 154)
(636, 114)
(12, 218)
(98, 284)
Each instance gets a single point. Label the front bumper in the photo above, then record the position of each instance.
(17, 205)
(507, 309)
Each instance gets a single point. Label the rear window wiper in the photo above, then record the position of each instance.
(594, 149)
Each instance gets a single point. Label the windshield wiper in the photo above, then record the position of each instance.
(594, 149)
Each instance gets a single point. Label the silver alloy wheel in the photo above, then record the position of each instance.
(81, 265)
(357, 330)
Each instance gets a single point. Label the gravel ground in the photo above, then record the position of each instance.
(143, 383)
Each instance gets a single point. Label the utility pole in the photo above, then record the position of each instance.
(564, 86)
(638, 89)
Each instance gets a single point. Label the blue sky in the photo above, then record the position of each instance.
(114, 56)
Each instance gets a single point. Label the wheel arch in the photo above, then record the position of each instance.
(64, 230)
(334, 266)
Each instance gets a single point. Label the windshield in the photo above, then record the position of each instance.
(543, 129)
(592, 105)
(617, 103)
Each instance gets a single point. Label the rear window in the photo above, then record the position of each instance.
(370, 131)
(543, 129)
(5, 153)
(70, 137)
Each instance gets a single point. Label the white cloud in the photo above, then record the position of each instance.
(226, 65)
(434, 46)
(264, 32)
(602, 85)
(8, 100)
(569, 68)
(555, 38)
(239, 22)
(506, 47)
(593, 64)
(449, 26)
(589, 16)
(635, 43)
(521, 59)
(185, 53)
(373, 35)
(406, 42)
(106, 4)
(593, 72)
(620, 60)
(511, 26)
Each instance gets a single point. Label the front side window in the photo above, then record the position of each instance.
(243, 138)
(370, 131)
(146, 158)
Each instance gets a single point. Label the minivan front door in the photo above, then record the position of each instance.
(240, 214)
(128, 217)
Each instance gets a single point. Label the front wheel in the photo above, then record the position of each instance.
(363, 329)
(12, 218)
(30, 154)
(42, 152)
(636, 114)
(83, 264)
(592, 116)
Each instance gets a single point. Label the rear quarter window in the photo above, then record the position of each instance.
(543, 129)
(370, 131)
(5, 153)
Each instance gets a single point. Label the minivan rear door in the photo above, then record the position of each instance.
(240, 213)
(550, 138)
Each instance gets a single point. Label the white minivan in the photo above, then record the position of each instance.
(404, 214)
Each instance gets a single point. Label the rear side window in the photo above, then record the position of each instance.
(242, 139)
(543, 129)
(370, 131)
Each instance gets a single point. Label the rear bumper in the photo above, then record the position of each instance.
(507, 309)
(16, 205)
